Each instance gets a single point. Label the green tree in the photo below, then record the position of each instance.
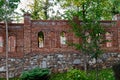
(115, 9)
(43, 9)
(108, 7)
(39, 9)
(89, 30)
(7, 8)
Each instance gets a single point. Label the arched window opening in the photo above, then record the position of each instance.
(70, 38)
(62, 38)
(52, 39)
(109, 39)
(11, 43)
(40, 39)
(1, 44)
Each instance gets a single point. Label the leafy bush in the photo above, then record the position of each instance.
(10, 79)
(59, 76)
(75, 74)
(35, 74)
(104, 74)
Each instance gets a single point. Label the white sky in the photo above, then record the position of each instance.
(24, 5)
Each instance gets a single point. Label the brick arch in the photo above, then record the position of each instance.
(1, 43)
(63, 37)
(109, 37)
(52, 37)
(41, 39)
(70, 38)
(12, 43)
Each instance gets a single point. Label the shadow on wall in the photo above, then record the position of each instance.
(116, 69)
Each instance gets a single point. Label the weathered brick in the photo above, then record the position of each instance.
(58, 57)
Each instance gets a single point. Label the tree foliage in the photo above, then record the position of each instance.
(42, 9)
(90, 12)
(115, 9)
(89, 30)
(107, 8)
(7, 8)
(39, 9)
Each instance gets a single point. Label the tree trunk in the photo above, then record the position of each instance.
(85, 63)
(6, 25)
(97, 77)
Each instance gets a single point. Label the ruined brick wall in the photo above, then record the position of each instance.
(53, 54)
(27, 35)
(51, 30)
(111, 27)
(15, 30)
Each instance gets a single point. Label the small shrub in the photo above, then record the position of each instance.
(59, 76)
(35, 74)
(75, 74)
(106, 75)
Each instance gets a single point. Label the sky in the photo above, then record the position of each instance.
(24, 5)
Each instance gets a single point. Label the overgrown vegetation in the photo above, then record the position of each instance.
(36, 74)
(73, 74)
(106, 74)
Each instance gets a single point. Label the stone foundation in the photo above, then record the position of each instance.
(57, 62)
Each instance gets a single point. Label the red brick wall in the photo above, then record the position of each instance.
(27, 35)
(15, 30)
